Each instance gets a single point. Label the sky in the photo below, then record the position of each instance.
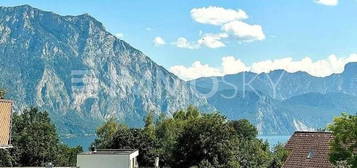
(197, 38)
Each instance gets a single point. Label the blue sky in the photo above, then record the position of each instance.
(298, 34)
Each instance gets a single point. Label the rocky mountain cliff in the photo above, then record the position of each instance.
(279, 102)
(81, 74)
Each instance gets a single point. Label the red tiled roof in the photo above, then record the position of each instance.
(308, 150)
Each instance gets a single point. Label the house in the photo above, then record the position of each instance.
(5, 123)
(308, 150)
(112, 158)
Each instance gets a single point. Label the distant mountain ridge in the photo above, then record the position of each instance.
(81, 74)
(280, 102)
(287, 84)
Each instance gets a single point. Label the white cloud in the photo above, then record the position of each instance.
(159, 41)
(213, 40)
(231, 65)
(209, 40)
(244, 31)
(319, 68)
(182, 42)
(327, 2)
(195, 71)
(216, 15)
(119, 35)
(231, 25)
(230, 22)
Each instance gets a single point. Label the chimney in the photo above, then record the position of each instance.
(93, 149)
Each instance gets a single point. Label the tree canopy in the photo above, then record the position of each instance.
(191, 139)
(344, 145)
(2, 93)
(36, 142)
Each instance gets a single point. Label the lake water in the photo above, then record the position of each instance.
(85, 141)
(275, 139)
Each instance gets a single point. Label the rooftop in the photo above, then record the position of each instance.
(111, 152)
(308, 150)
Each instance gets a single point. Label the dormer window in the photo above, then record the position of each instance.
(310, 154)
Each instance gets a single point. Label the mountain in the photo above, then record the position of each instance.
(81, 74)
(279, 102)
(282, 85)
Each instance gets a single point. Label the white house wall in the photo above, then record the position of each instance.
(103, 161)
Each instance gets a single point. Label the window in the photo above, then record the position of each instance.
(310, 154)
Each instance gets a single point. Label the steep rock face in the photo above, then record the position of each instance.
(279, 102)
(81, 74)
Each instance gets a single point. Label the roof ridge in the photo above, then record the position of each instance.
(6, 101)
(313, 132)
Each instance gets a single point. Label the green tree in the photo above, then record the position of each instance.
(149, 128)
(205, 164)
(35, 138)
(206, 138)
(127, 138)
(36, 142)
(244, 129)
(6, 159)
(168, 130)
(253, 153)
(134, 138)
(344, 145)
(191, 139)
(192, 112)
(106, 132)
(280, 154)
(2, 93)
(67, 156)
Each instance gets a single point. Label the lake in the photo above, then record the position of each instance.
(275, 139)
(85, 141)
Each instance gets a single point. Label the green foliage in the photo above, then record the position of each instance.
(2, 93)
(36, 142)
(204, 138)
(342, 164)
(67, 156)
(35, 138)
(280, 155)
(253, 153)
(244, 129)
(205, 164)
(190, 139)
(5, 158)
(168, 131)
(344, 145)
(106, 132)
(127, 138)
(149, 128)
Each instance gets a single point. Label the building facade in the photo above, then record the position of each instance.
(108, 159)
(5, 123)
(308, 150)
